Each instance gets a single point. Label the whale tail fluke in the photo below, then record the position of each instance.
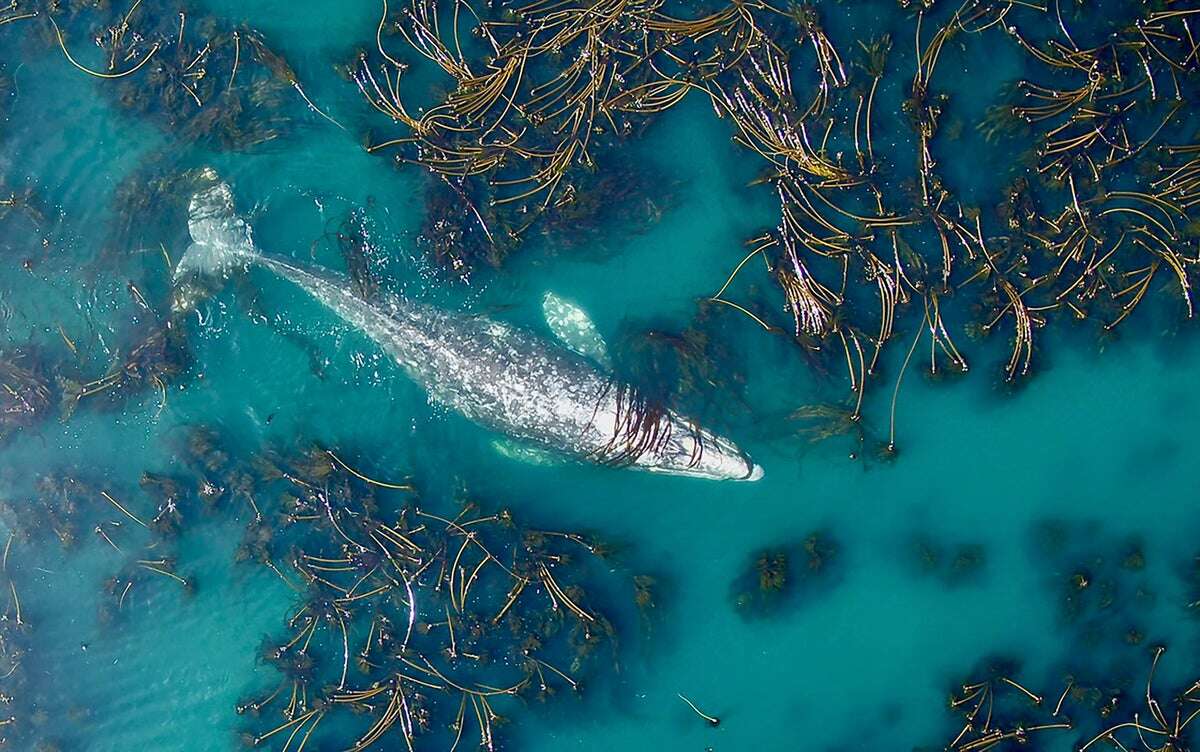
(222, 243)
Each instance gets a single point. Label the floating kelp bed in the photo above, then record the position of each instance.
(539, 94)
(1107, 695)
(195, 75)
(411, 628)
(428, 625)
(999, 713)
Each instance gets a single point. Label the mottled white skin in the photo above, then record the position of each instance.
(574, 329)
(499, 376)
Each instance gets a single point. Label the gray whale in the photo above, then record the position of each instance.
(504, 378)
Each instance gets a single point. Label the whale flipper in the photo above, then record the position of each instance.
(525, 453)
(574, 328)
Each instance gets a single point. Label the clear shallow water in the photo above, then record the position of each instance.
(1101, 441)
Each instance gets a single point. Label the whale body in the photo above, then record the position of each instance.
(499, 376)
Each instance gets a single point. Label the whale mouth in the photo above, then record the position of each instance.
(756, 473)
(731, 467)
(716, 458)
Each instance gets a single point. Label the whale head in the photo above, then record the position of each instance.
(694, 452)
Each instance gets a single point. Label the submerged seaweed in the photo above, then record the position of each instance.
(1101, 585)
(196, 76)
(579, 222)
(954, 565)
(787, 576)
(25, 694)
(999, 713)
(422, 626)
(862, 251)
(25, 392)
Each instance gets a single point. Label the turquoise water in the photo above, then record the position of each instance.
(1089, 461)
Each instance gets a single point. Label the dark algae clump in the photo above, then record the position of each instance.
(1100, 580)
(789, 576)
(953, 564)
(25, 392)
(579, 223)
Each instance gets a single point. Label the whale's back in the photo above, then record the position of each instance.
(503, 377)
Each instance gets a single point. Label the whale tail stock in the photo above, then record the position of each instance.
(222, 243)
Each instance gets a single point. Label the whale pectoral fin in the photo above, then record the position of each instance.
(526, 453)
(574, 328)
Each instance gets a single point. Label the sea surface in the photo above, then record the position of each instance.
(961, 548)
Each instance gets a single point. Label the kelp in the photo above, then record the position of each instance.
(25, 693)
(533, 98)
(997, 712)
(787, 576)
(158, 358)
(196, 76)
(410, 625)
(26, 391)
